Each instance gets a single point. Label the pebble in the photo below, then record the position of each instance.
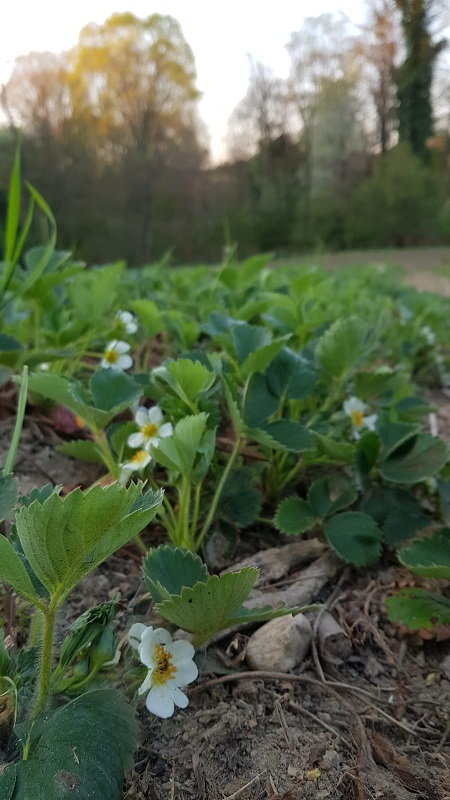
(330, 759)
(280, 645)
(445, 666)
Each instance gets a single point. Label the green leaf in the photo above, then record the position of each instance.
(118, 433)
(426, 457)
(113, 390)
(247, 339)
(240, 502)
(65, 538)
(259, 360)
(355, 537)
(290, 375)
(292, 436)
(294, 516)
(210, 606)
(179, 451)
(40, 494)
(149, 316)
(83, 449)
(13, 572)
(328, 495)
(429, 556)
(394, 435)
(342, 346)
(10, 350)
(249, 615)
(8, 781)
(367, 450)
(82, 750)
(259, 402)
(168, 569)
(8, 495)
(417, 609)
(397, 512)
(13, 209)
(188, 378)
(233, 406)
(333, 451)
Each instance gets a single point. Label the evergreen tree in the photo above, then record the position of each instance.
(415, 74)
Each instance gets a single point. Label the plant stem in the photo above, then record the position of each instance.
(102, 444)
(21, 404)
(195, 513)
(183, 513)
(218, 493)
(45, 661)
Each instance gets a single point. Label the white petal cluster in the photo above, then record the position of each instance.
(151, 426)
(116, 356)
(128, 321)
(355, 408)
(170, 667)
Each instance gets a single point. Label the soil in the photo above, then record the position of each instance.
(376, 725)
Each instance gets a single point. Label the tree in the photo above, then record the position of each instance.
(132, 84)
(322, 53)
(415, 75)
(261, 116)
(36, 97)
(380, 46)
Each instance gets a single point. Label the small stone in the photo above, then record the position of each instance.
(293, 771)
(445, 666)
(330, 759)
(280, 645)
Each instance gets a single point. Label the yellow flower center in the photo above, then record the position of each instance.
(149, 430)
(357, 418)
(139, 457)
(164, 668)
(111, 356)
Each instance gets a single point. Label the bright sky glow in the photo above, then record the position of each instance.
(223, 37)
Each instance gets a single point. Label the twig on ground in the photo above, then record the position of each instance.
(241, 791)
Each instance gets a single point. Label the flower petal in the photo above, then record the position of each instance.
(354, 404)
(187, 672)
(121, 347)
(179, 698)
(135, 440)
(124, 362)
(160, 702)
(147, 683)
(155, 415)
(141, 416)
(150, 639)
(181, 650)
(371, 421)
(165, 430)
(135, 634)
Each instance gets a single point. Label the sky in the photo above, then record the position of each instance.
(224, 38)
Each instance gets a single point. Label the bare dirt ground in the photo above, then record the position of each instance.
(426, 268)
(375, 726)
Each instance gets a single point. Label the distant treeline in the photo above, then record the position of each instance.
(352, 150)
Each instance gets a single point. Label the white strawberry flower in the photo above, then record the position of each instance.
(139, 460)
(170, 667)
(151, 428)
(116, 356)
(355, 408)
(128, 321)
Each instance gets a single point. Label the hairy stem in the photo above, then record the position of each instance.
(45, 660)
